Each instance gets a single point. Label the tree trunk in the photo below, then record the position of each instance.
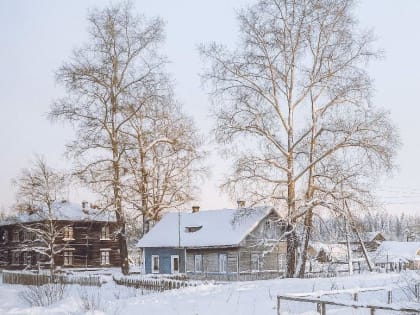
(349, 250)
(308, 230)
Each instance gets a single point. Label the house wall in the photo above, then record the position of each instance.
(210, 260)
(86, 245)
(164, 259)
(262, 242)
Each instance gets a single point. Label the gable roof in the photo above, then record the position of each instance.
(64, 211)
(225, 227)
(392, 251)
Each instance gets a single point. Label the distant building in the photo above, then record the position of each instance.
(372, 240)
(393, 255)
(86, 235)
(223, 244)
(328, 252)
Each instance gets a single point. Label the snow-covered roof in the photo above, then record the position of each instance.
(66, 211)
(225, 227)
(392, 251)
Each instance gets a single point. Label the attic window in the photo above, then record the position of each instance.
(190, 229)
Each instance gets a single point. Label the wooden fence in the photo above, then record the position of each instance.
(41, 279)
(321, 304)
(155, 285)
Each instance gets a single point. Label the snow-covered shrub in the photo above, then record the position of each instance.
(43, 295)
(409, 284)
(91, 300)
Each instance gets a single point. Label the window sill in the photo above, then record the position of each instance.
(68, 239)
(104, 239)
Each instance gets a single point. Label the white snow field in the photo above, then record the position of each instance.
(242, 298)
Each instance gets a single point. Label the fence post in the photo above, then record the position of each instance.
(355, 297)
(372, 311)
(389, 296)
(278, 305)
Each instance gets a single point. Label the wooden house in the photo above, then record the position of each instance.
(228, 244)
(371, 240)
(393, 255)
(85, 238)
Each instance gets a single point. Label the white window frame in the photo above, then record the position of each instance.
(27, 235)
(68, 257)
(223, 264)
(282, 262)
(105, 257)
(16, 236)
(105, 235)
(153, 264)
(68, 233)
(198, 263)
(27, 257)
(15, 254)
(173, 257)
(255, 262)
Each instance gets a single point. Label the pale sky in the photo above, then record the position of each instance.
(37, 36)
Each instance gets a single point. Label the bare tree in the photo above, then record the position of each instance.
(164, 161)
(297, 90)
(118, 68)
(40, 192)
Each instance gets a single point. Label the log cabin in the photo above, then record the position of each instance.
(227, 244)
(85, 238)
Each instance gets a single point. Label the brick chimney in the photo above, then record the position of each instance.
(85, 207)
(241, 204)
(195, 209)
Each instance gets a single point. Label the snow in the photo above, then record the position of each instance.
(241, 298)
(66, 211)
(225, 227)
(392, 251)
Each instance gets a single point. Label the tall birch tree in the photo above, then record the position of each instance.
(295, 98)
(119, 67)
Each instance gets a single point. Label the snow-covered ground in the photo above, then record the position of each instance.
(244, 298)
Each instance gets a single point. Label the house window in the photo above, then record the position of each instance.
(155, 264)
(15, 236)
(174, 264)
(270, 229)
(105, 232)
(222, 263)
(68, 258)
(15, 258)
(105, 257)
(68, 233)
(27, 259)
(198, 263)
(27, 236)
(282, 261)
(191, 229)
(255, 262)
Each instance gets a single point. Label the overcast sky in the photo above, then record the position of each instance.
(37, 36)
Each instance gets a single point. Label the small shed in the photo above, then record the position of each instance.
(225, 244)
(328, 252)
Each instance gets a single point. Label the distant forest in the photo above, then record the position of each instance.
(396, 227)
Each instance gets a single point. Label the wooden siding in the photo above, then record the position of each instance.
(164, 259)
(86, 245)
